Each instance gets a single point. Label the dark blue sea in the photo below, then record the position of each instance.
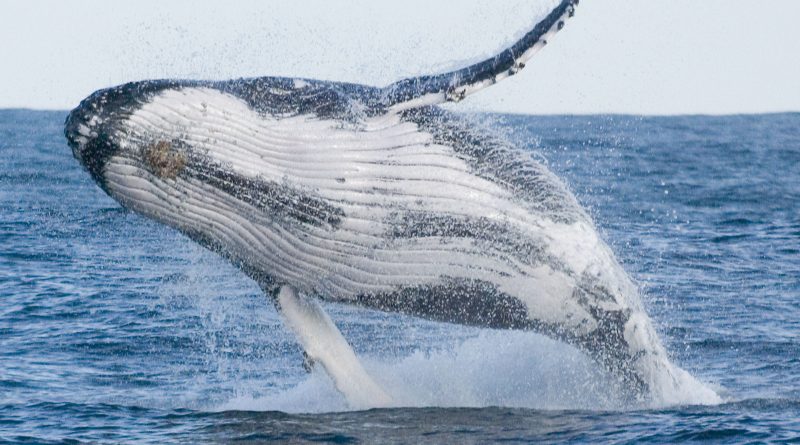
(114, 329)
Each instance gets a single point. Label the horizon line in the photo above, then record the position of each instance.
(514, 113)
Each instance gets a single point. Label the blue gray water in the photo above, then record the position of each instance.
(114, 329)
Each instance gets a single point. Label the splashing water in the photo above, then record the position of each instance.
(510, 369)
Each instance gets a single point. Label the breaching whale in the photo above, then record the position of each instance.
(373, 197)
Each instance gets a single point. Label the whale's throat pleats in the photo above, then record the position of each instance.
(391, 205)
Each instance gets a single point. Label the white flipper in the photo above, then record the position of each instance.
(324, 344)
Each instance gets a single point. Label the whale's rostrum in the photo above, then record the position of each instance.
(373, 197)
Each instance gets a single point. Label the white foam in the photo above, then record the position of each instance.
(678, 387)
(496, 368)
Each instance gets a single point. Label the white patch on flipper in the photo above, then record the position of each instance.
(324, 344)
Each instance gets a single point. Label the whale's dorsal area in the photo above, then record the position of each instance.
(372, 197)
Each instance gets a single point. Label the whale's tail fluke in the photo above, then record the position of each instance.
(456, 85)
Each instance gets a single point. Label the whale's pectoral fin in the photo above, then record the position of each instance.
(324, 345)
(456, 85)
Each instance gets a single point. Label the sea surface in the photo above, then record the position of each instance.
(114, 329)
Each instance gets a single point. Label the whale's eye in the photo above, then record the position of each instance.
(164, 158)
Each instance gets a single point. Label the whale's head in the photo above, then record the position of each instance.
(135, 161)
(183, 156)
(87, 133)
(95, 129)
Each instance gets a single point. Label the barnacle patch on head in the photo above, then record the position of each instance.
(164, 159)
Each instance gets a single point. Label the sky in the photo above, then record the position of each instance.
(656, 57)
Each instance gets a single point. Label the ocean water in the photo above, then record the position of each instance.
(114, 329)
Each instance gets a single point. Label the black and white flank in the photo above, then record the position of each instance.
(378, 198)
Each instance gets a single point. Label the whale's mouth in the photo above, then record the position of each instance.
(93, 127)
(88, 133)
(77, 132)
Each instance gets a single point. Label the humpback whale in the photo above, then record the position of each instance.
(374, 197)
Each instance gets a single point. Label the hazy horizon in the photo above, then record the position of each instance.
(664, 57)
